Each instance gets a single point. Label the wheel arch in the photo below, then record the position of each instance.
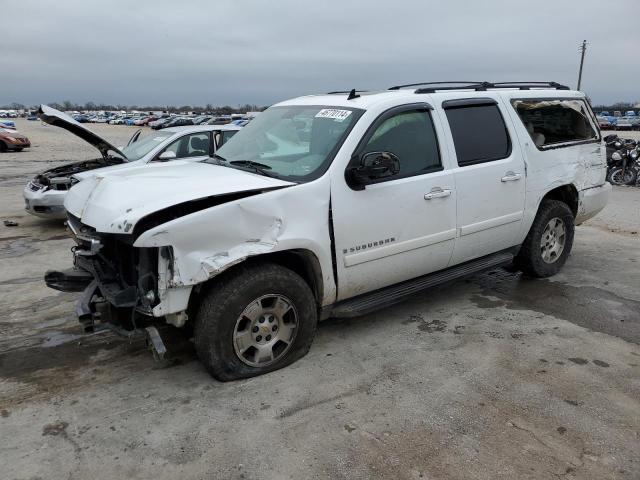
(565, 193)
(301, 261)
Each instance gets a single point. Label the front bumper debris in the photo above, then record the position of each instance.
(71, 280)
(95, 315)
(115, 296)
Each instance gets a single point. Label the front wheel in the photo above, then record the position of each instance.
(620, 177)
(547, 246)
(254, 320)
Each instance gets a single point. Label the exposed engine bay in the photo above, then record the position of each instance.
(59, 178)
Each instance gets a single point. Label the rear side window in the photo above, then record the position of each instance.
(479, 133)
(552, 123)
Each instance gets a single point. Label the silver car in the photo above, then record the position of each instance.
(44, 195)
(628, 123)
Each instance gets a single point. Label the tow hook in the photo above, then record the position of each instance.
(155, 343)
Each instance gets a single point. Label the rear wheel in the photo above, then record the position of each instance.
(254, 320)
(547, 246)
(3, 147)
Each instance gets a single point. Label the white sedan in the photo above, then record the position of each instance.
(44, 195)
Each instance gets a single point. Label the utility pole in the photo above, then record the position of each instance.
(583, 49)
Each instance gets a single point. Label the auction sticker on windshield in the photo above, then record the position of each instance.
(338, 115)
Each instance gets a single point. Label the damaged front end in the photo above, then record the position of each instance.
(61, 178)
(118, 281)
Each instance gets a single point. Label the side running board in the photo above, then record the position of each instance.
(384, 297)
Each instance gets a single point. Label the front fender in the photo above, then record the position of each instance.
(208, 242)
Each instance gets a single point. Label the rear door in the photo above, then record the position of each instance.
(490, 176)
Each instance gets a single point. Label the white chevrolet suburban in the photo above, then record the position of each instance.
(332, 206)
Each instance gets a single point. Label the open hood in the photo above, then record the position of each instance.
(115, 202)
(62, 120)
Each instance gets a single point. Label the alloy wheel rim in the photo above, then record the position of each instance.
(553, 240)
(265, 330)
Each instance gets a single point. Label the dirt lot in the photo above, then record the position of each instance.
(493, 377)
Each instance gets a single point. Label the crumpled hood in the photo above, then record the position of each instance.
(114, 202)
(62, 120)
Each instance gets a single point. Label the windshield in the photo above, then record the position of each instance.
(139, 149)
(292, 142)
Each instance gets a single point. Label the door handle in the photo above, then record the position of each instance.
(437, 193)
(511, 177)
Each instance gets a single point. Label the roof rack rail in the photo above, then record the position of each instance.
(398, 87)
(484, 86)
(432, 87)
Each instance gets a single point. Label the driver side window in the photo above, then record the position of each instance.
(410, 136)
(194, 145)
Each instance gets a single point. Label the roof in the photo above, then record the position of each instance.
(368, 100)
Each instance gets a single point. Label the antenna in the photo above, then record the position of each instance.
(352, 94)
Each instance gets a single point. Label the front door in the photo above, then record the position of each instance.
(398, 227)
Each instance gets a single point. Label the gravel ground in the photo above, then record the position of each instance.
(493, 377)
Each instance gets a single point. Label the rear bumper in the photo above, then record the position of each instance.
(591, 201)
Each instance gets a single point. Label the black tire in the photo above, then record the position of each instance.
(616, 178)
(530, 258)
(223, 305)
(3, 147)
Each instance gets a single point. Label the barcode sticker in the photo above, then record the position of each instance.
(338, 115)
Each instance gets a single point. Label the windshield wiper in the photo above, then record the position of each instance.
(258, 167)
(220, 159)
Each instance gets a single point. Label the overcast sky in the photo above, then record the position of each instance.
(230, 52)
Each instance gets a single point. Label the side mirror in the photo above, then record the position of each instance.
(167, 155)
(374, 166)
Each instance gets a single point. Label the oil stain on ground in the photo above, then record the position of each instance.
(589, 307)
(429, 326)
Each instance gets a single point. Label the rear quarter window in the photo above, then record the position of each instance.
(556, 122)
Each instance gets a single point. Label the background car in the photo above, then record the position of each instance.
(178, 122)
(160, 123)
(44, 195)
(219, 120)
(12, 140)
(627, 123)
(604, 123)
